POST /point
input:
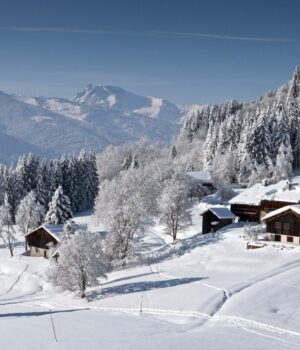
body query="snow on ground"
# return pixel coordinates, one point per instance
(202, 292)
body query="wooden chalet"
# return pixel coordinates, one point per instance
(254, 203)
(42, 238)
(283, 225)
(214, 219)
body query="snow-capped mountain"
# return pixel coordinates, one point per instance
(95, 118)
(113, 97)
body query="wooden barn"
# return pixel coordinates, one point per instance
(283, 225)
(214, 219)
(246, 212)
(40, 239)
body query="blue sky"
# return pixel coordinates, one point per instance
(187, 51)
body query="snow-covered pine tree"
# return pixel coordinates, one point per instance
(173, 152)
(32, 164)
(127, 162)
(73, 183)
(56, 176)
(282, 135)
(92, 180)
(2, 183)
(211, 143)
(42, 189)
(284, 161)
(135, 162)
(260, 141)
(293, 115)
(13, 190)
(59, 208)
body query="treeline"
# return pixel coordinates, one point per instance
(77, 176)
(250, 141)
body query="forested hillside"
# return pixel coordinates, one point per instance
(251, 140)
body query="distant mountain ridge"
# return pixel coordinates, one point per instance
(95, 118)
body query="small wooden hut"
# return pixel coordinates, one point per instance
(42, 238)
(214, 219)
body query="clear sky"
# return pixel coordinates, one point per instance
(188, 51)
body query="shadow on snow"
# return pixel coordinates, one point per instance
(38, 313)
(138, 287)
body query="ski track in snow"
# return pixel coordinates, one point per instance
(283, 335)
(16, 281)
(245, 324)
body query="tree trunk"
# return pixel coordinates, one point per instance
(11, 249)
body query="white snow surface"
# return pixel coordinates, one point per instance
(276, 192)
(202, 292)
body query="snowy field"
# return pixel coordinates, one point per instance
(204, 292)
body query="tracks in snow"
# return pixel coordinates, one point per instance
(16, 281)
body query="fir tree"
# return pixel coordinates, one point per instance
(293, 115)
(59, 208)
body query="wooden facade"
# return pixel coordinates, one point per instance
(284, 227)
(39, 241)
(267, 206)
(255, 213)
(211, 223)
(246, 212)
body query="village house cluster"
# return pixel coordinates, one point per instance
(277, 206)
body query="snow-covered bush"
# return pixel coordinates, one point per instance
(81, 262)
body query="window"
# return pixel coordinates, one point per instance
(290, 239)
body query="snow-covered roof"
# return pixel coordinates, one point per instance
(295, 208)
(55, 231)
(222, 213)
(277, 192)
(201, 176)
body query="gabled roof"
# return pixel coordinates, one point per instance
(201, 176)
(295, 208)
(277, 192)
(55, 231)
(222, 213)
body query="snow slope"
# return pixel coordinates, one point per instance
(203, 292)
(96, 118)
